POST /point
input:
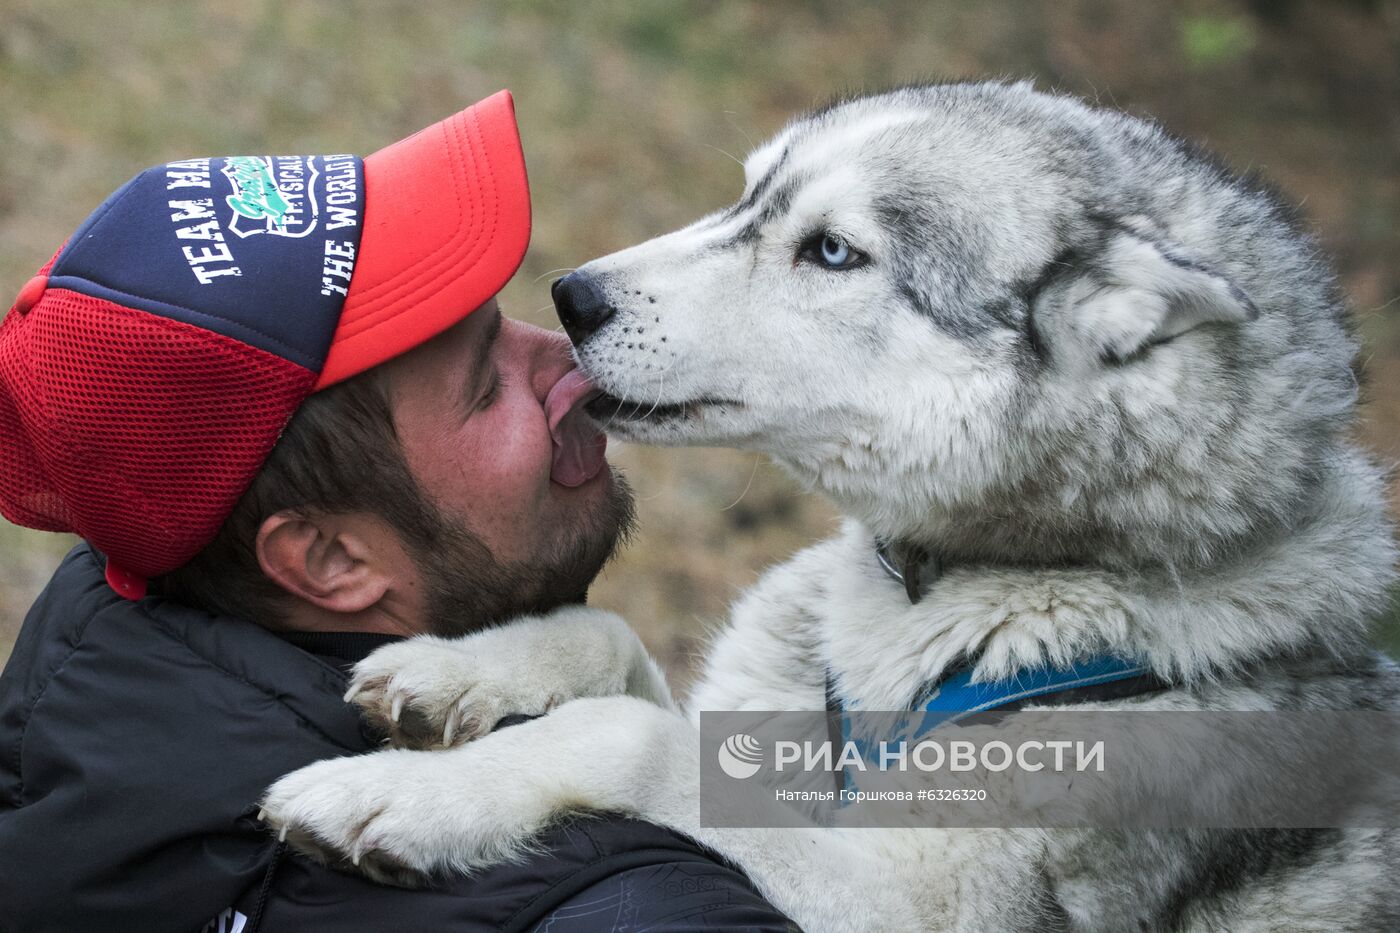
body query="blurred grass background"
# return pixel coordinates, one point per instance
(631, 114)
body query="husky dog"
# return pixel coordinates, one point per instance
(1104, 382)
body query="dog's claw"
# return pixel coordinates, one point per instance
(396, 708)
(450, 728)
(262, 815)
(282, 834)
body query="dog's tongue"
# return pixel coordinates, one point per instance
(578, 445)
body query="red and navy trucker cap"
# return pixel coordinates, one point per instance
(148, 369)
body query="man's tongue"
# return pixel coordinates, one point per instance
(578, 445)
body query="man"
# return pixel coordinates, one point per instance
(276, 398)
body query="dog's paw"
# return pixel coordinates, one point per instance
(431, 692)
(403, 817)
(346, 812)
(1015, 619)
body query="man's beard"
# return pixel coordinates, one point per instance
(468, 589)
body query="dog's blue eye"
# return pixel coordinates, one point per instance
(835, 252)
(831, 252)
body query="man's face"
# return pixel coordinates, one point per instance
(469, 409)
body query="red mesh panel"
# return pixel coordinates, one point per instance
(136, 432)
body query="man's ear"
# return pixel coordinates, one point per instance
(1132, 291)
(326, 560)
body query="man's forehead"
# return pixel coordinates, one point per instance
(457, 351)
(467, 334)
(478, 327)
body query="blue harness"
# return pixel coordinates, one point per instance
(954, 696)
(957, 696)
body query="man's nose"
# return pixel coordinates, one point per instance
(581, 306)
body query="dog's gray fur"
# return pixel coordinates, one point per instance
(1106, 380)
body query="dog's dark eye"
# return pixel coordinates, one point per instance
(830, 252)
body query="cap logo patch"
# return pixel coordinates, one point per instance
(274, 195)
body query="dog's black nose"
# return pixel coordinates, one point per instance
(581, 306)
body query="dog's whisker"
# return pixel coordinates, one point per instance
(747, 487)
(612, 418)
(731, 155)
(729, 118)
(660, 391)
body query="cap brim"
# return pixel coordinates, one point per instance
(447, 221)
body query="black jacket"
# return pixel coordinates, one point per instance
(136, 738)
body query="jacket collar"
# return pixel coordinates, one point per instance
(310, 686)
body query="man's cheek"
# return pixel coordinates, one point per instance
(521, 436)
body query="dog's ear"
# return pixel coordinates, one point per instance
(1132, 290)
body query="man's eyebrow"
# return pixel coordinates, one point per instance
(480, 370)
